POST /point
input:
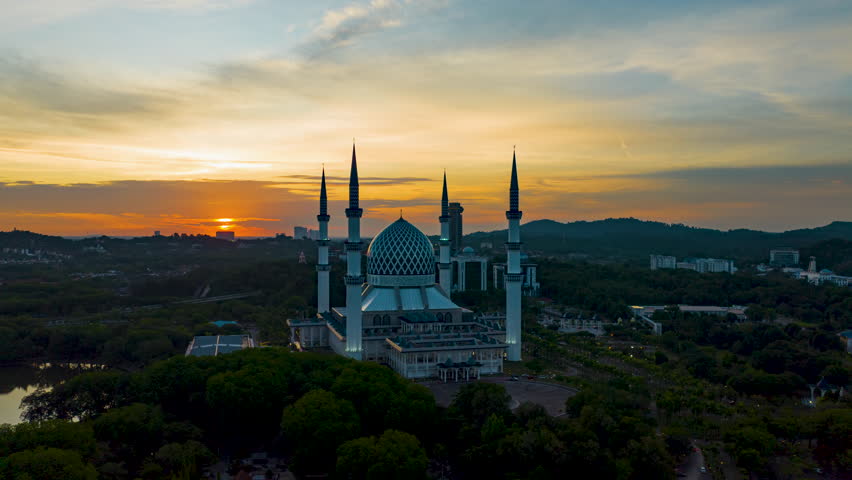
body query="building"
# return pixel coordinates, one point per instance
(662, 261)
(529, 281)
(701, 265)
(456, 227)
(462, 264)
(300, 233)
(784, 256)
(713, 265)
(736, 310)
(398, 315)
(157, 233)
(212, 345)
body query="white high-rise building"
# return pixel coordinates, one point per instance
(663, 261)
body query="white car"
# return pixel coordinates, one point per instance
(702, 470)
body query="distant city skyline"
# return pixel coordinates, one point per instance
(123, 117)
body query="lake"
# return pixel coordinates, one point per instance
(19, 381)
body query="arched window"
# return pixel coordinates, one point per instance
(439, 317)
(448, 317)
(377, 320)
(386, 320)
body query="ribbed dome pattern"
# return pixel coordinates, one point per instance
(401, 249)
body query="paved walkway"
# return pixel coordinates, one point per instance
(552, 397)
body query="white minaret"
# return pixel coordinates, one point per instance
(444, 266)
(354, 280)
(514, 276)
(322, 243)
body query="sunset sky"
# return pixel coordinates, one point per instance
(128, 116)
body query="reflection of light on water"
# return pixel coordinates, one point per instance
(38, 376)
(10, 404)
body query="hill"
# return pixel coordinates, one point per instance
(630, 238)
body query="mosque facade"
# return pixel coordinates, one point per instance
(396, 314)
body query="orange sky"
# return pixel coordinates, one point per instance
(128, 117)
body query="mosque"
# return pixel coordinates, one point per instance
(398, 315)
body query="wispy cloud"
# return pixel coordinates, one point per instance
(22, 14)
(314, 180)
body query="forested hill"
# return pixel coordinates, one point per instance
(632, 238)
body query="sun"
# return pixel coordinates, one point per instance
(224, 220)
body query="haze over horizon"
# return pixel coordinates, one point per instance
(122, 118)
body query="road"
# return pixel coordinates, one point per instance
(691, 467)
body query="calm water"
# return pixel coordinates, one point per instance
(18, 382)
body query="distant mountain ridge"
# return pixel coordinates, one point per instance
(633, 238)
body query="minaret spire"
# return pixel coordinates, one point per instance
(323, 267)
(323, 196)
(354, 279)
(353, 181)
(445, 199)
(513, 186)
(444, 265)
(514, 272)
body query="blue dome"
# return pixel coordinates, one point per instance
(401, 255)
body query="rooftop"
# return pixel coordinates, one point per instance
(212, 345)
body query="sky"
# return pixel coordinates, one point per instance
(122, 117)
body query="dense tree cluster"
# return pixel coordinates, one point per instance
(166, 419)
(754, 358)
(329, 415)
(610, 289)
(79, 321)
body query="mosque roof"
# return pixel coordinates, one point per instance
(401, 255)
(406, 298)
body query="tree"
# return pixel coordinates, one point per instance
(475, 402)
(317, 424)
(836, 375)
(395, 455)
(46, 464)
(136, 429)
(59, 434)
(185, 458)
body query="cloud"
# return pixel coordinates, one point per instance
(28, 81)
(314, 180)
(342, 27)
(18, 15)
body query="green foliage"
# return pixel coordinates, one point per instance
(46, 464)
(317, 423)
(751, 445)
(83, 396)
(51, 433)
(183, 458)
(394, 455)
(136, 428)
(477, 402)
